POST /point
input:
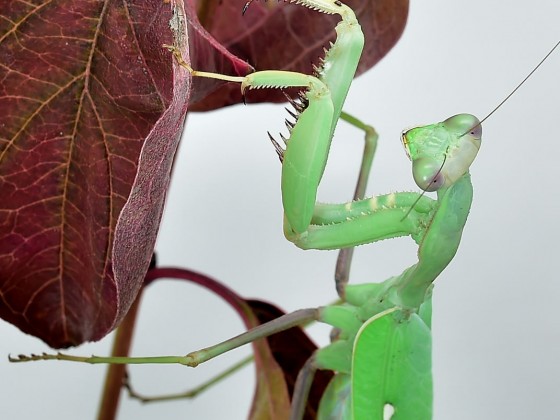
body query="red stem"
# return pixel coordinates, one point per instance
(115, 373)
(209, 283)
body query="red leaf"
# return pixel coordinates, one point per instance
(273, 35)
(91, 112)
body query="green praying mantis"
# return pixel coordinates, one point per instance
(441, 155)
(428, 222)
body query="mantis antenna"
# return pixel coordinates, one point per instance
(514, 90)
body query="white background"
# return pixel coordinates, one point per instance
(496, 325)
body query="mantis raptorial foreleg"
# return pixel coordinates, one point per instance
(307, 148)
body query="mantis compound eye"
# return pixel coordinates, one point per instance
(428, 174)
(476, 131)
(464, 124)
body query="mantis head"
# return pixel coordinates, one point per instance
(442, 153)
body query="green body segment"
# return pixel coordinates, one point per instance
(335, 226)
(438, 245)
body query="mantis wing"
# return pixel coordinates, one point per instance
(392, 365)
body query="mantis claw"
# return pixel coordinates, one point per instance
(177, 54)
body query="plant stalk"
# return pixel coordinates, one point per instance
(115, 373)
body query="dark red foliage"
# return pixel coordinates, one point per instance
(91, 113)
(271, 36)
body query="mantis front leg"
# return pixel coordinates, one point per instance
(307, 147)
(445, 154)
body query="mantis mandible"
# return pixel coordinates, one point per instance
(300, 231)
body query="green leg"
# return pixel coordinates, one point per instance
(191, 393)
(195, 358)
(336, 226)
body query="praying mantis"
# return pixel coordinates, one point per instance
(454, 282)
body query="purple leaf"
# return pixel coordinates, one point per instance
(92, 108)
